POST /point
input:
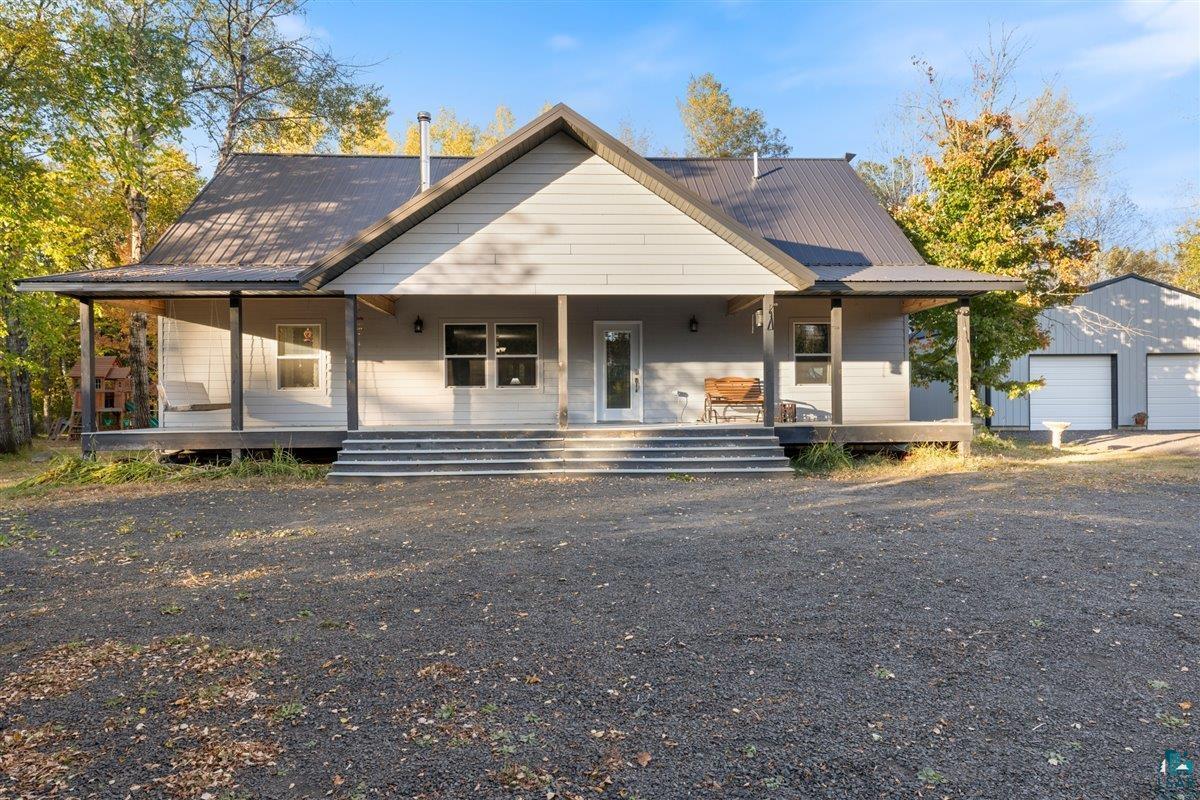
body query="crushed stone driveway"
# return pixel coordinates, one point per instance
(1140, 443)
(992, 635)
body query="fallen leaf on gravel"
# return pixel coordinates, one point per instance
(530, 680)
(643, 758)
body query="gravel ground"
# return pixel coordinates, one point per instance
(967, 635)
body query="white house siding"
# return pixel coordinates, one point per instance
(401, 373)
(1131, 318)
(195, 347)
(559, 220)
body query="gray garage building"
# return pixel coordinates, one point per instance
(1127, 345)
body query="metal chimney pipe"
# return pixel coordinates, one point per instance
(754, 158)
(423, 119)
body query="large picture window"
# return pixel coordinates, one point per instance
(516, 354)
(298, 356)
(811, 352)
(466, 351)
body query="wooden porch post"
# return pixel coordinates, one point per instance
(835, 359)
(563, 385)
(770, 368)
(351, 362)
(963, 354)
(87, 374)
(236, 406)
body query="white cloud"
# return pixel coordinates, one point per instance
(295, 26)
(560, 42)
(1165, 41)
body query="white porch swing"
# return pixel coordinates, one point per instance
(185, 395)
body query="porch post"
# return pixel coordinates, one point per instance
(563, 386)
(770, 368)
(835, 359)
(87, 374)
(351, 362)
(236, 406)
(963, 354)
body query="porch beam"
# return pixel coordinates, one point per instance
(962, 350)
(236, 404)
(563, 385)
(351, 315)
(835, 359)
(379, 302)
(770, 368)
(736, 305)
(915, 304)
(87, 374)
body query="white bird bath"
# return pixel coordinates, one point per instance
(1056, 431)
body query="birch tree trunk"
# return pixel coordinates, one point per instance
(19, 387)
(139, 348)
(8, 443)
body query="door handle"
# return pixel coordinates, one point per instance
(637, 380)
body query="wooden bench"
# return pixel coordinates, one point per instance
(731, 393)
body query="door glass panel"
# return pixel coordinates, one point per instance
(617, 386)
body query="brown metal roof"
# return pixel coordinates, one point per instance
(301, 219)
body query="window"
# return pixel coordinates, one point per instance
(298, 356)
(516, 355)
(811, 352)
(466, 354)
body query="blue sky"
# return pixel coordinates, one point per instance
(829, 75)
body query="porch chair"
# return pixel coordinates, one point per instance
(732, 393)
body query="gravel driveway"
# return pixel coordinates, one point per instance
(967, 636)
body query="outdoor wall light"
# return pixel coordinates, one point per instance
(693, 324)
(418, 325)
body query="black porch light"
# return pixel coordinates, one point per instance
(693, 324)
(418, 325)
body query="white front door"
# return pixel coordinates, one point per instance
(618, 371)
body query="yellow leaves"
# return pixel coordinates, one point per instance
(450, 136)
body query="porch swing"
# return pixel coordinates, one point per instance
(185, 395)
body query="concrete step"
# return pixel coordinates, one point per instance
(557, 464)
(382, 477)
(567, 453)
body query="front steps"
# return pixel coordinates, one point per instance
(378, 455)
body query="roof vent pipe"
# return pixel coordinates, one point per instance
(754, 159)
(423, 119)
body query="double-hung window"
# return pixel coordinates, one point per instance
(298, 356)
(810, 350)
(516, 354)
(466, 352)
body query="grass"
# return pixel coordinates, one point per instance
(824, 457)
(72, 470)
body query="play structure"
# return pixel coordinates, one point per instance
(113, 396)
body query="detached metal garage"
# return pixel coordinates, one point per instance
(1128, 345)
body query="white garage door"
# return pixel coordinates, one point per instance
(1078, 390)
(1173, 392)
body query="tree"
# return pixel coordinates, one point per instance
(1187, 257)
(251, 83)
(1125, 260)
(989, 209)
(892, 182)
(639, 140)
(127, 89)
(718, 129)
(450, 136)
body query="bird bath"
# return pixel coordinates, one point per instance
(1056, 431)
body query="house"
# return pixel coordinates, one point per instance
(557, 287)
(1127, 346)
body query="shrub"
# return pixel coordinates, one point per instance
(823, 457)
(986, 439)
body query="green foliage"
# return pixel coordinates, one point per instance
(990, 441)
(891, 183)
(1187, 257)
(77, 471)
(718, 129)
(989, 209)
(823, 457)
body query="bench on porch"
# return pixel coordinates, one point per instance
(732, 393)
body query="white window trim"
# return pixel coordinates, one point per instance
(320, 357)
(537, 357)
(796, 321)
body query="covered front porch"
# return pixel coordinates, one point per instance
(521, 363)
